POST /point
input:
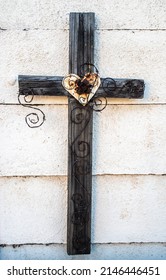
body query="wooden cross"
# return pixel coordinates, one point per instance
(81, 52)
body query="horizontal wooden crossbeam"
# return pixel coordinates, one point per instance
(52, 86)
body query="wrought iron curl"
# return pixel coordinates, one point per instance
(99, 104)
(83, 87)
(133, 87)
(109, 85)
(82, 166)
(80, 216)
(69, 82)
(80, 201)
(81, 241)
(88, 68)
(33, 120)
(81, 117)
(80, 149)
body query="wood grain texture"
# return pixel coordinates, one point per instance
(41, 85)
(52, 86)
(81, 40)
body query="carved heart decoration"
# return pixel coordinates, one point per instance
(82, 89)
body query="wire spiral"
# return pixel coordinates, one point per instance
(80, 148)
(33, 120)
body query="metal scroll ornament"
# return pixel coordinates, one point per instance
(35, 119)
(81, 171)
(83, 88)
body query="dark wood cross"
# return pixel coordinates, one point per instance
(80, 118)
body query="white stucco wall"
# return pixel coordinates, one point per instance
(129, 136)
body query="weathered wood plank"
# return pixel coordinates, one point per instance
(52, 86)
(80, 140)
(41, 85)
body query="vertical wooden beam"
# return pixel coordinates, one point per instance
(81, 50)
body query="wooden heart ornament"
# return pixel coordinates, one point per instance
(82, 89)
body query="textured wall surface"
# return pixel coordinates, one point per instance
(129, 136)
(34, 209)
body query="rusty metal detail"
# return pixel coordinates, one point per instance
(83, 88)
(120, 88)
